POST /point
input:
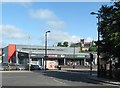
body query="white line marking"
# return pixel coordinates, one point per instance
(58, 81)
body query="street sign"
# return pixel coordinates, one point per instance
(80, 56)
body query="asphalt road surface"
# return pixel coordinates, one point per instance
(49, 78)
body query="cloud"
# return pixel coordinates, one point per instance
(88, 39)
(44, 14)
(25, 4)
(52, 21)
(63, 36)
(56, 25)
(10, 31)
(60, 36)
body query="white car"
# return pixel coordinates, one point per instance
(20, 67)
(1, 68)
(41, 67)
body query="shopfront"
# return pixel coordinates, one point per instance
(25, 54)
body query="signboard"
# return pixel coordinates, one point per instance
(80, 56)
(62, 55)
(52, 55)
(51, 64)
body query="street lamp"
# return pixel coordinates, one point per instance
(29, 53)
(45, 57)
(74, 56)
(98, 50)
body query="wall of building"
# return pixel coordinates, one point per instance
(61, 55)
(5, 55)
(50, 49)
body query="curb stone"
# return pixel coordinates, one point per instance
(113, 83)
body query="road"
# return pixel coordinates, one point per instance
(49, 78)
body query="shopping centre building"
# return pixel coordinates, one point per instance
(33, 54)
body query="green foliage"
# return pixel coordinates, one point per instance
(110, 29)
(65, 44)
(93, 47)
(59, 44)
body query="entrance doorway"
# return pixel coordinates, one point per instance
(61, 61)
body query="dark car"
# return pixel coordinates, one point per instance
(59, 67)
(35, 67)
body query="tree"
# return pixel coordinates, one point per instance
(110, 31)
(93, 47)
(59, 44)
(65, 44)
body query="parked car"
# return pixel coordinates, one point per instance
(5, 66)
(1, 67)
(20, 67)
(12, 66)
(35, 67)
(59, 67)
(41, 67)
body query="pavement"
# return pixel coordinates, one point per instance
(91, 76)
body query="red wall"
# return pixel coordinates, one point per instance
(11, 51)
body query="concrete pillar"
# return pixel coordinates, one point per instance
(64, 61)
(17, 58)
(84, 61)
(30, 60)
(42, 61)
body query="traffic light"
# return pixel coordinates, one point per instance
(91, 56)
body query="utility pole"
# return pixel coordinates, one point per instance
(74, 57)
(98, 50)
(46, 57)
(29, 54)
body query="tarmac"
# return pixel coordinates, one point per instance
(91, 75)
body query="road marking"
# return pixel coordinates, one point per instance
(59, 81)
(13, 71)
(14, 77)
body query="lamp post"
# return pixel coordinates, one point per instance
(98, 50)
(45, 57)
(74, 57)
(29, 54)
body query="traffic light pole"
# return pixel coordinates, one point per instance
(98, 52)
(46, 57)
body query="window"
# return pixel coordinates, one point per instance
(34, 59)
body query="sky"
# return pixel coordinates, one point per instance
(27, 22)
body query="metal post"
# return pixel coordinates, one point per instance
(45, 49)
(29, 54)
(45, 57)
(98, 50)
(29, 60)
(74, 57)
